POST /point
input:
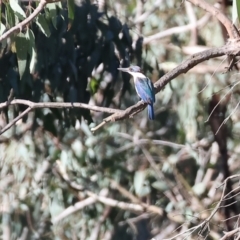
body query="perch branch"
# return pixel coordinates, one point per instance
(33, 105)
(229, 49)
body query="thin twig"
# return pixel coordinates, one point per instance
(180, 29)
(25, 22)
(230, 90)
(105, 200)
(15, 120)
(35, 105)
(227, 118)
(228, 235)
(141, 18)
(126, 206)
(192, 19)
(231, 29)
(72, 209)
(202, 226)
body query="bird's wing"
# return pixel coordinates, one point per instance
(145, 89)
(150, 84)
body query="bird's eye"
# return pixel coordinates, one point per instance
(130, 69)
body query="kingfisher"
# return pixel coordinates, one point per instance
(144, 87)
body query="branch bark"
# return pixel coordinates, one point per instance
(18, 28)
(180, 29)
(33, 105)
(231, 49)
(231, 29)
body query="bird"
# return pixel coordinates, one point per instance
(144, 87)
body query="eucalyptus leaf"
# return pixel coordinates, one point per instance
(235, 11)
(10, 17)
(17, 9)
(141, 186)
(43, 25)
(199, 188)
(31, 50)
(2, 28)
(71, 12)
(52, 8)
(160, 185)
(22, 51)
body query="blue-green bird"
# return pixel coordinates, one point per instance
(144, 87)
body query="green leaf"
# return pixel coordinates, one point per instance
(22, 50)
(31, 50)
(199, 188)
(10, 18)
(33, 61)
(160, 185)
(71, 12)
(235, 11)
(2, 28)
(0, 9)
(52, 13)
(43, 25)
(94, 85)
(140, 184)
(17, 9)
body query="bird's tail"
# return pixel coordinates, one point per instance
(150, 111)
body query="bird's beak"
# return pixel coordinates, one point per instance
(124, 69)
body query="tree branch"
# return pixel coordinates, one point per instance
(203, 225)
(141, 207)
(33, 105)
(180, 29)
(231, 29)
(24, 23)
(145, 15)
(229, 235)
(229, 49)
(74, 208)
(15, 120)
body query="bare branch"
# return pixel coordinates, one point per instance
(203, 225)
(231, 29)
(145, 15)
(228, 235)
(33, 105)
(72, 209)
(192, 18)
(125, 206)
(229, 49)
(105, 200)
(23, 24)
(15, 120)
(175, 30)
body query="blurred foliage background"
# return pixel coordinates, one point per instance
(54, 170)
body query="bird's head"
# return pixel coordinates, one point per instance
(131, 69)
